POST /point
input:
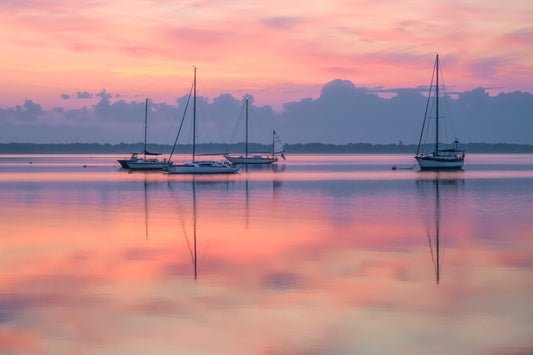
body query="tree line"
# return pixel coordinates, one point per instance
(220, 148)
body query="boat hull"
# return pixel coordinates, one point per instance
(147, 165)
(123, 163)
(440, 163)
(251, 160)
(203, 168)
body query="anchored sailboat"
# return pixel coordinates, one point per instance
(204, 166)
(257, 158)
(136, 163)
(437, 159)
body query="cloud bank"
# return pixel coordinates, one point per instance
(343, 113)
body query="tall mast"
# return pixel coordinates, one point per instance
(145, 125)
(246, 100)
(194, 119)
(437, 108)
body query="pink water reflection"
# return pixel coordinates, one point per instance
(105, 264)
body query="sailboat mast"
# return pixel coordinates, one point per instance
(145, 125)
(437, 108)
(194, 119)
(246, 99)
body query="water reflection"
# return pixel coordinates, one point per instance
(194, 254)
(431, 189)
(290, 263)
(249, 169)
(146, 206)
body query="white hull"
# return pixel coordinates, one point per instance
(207, 167)
(251, 160)
(439, 163)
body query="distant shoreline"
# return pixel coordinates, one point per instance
(219, 148)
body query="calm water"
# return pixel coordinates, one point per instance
(319, 254)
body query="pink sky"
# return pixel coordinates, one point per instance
(278, 51)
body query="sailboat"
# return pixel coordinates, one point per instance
(257, 158)
(144, 163)
(437, 159)
(204, 166)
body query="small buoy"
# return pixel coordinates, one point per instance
(84, 166)
(394, 167)
(30, 162)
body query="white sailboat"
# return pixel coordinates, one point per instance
(144, 163)
(436, 158)
(257, 158)
(204, 166)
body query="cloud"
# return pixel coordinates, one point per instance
(522, 36)
(30, 112)
(104, 95)
(65, 96)
(283, 22)
(343, 113)
(83, 95)
(488, 67)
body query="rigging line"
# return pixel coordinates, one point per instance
(181, 124)
(428, 130)
(212, 113)
(426, 112)
(265, 127)
(238, 125)
(172, 127)
(431, 251)
(448, 114)
(188, 242)
(182, 223)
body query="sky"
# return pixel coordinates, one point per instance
(71, 56)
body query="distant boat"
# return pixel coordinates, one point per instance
(144, 163)
(200, 167)
(257, 158)
(436, 158)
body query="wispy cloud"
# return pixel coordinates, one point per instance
(56, 46)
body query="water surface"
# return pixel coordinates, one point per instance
(319, 254)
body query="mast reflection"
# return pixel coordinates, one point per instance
(193, 251)
(146, 207)
(439, 186)
(276, 184)
(194, 215)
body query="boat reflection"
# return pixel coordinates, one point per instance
(146, 207)
(240, 197)
(192, 247)
(193, 252)
(440, 187)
